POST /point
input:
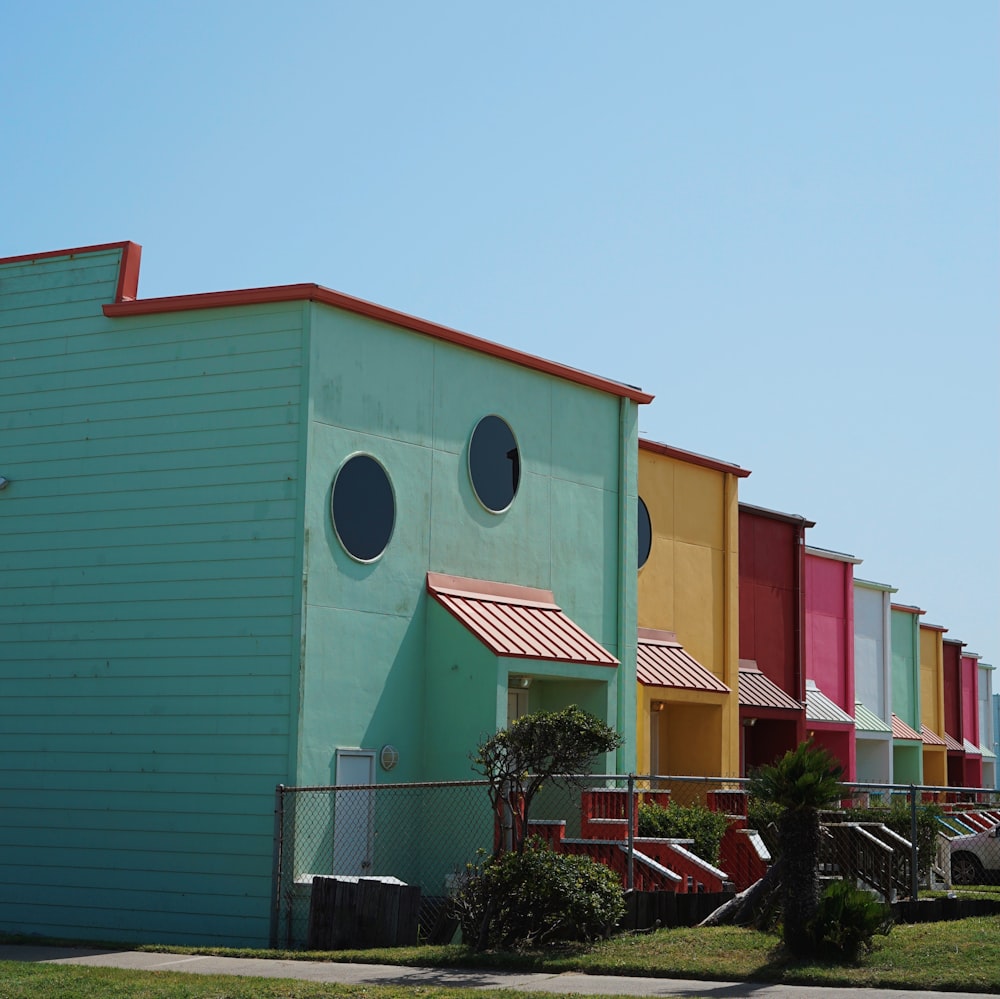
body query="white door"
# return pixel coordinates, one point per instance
(352, 815)
(517, 704)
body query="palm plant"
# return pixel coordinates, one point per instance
(805, 780)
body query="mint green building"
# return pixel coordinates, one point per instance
(907, 744)
(275, 536)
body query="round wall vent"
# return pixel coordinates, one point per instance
(388, 757)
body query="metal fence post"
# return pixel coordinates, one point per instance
(914, 852)
(276, 863)
(630, 813)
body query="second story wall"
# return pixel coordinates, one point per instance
(829, 598)
(906, 671)
(772, 609)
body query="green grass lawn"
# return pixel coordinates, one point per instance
(55, 981)
(961, 955)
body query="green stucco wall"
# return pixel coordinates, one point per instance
(371, 663)
(181, 629)
(149, 610)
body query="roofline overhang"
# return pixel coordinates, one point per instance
(370, 310)
(832, 555)
(870, 584)
(692, 457)
(787, 518)
(127, 304)
(933, 627)
(907, 608)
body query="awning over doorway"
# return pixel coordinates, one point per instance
(930, 737)
(820, 708)
(757, 691)
(866, 720)
(900, 730)
(517, 622)
(661, 661)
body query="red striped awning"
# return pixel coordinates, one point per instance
(900, 730)
(661, 661)
(929, 737)
(757, 691)
(518, 622)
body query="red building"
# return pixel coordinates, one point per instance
(772, 675)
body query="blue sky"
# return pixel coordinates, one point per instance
(780, 218)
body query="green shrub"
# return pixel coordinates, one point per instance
(847, 921)
(537, 897)
(695, 822)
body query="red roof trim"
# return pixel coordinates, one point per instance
(325, 296)
(908, 608)
(128, 268)
(692, 458)
(933, 627)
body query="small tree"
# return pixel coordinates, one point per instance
(539, 747)
(802, 782)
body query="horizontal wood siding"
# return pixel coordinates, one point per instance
(149, 609)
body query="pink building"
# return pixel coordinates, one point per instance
(829, 602)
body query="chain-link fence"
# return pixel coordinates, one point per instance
(659, 833)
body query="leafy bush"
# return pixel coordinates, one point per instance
(705, 827)
(537, 897)
(847, 921)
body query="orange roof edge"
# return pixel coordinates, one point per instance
(126, 303)
(128, 268)
(370, 310)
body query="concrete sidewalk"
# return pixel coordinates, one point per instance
(387, 974)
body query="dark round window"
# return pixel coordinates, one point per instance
(645, 533)
(363, 507)
(494, 463)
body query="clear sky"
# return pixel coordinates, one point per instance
(783, 219)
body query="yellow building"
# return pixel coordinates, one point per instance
(688, 652)
(932, 704)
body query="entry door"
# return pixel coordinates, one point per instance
(352, 815)
(517, 704)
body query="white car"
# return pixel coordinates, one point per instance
(975, 857)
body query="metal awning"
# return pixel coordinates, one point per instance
(954, 746)
(820, 708)
(661, 661)
(929, 737)
(518, 622)
(971, 749)
(757, 691)
(903, 732)
(865, 720)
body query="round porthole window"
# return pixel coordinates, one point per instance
(494, 463)
(645, 533)
(363, 507)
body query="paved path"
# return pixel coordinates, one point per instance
(466, 978)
